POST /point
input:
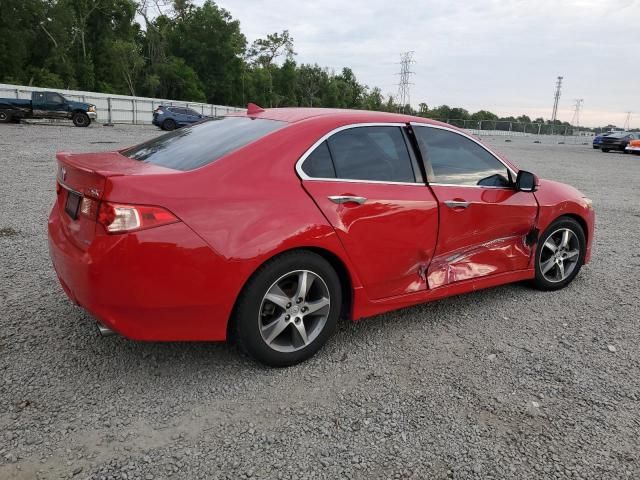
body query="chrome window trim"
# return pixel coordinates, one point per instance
(311, 149)
(462, 134)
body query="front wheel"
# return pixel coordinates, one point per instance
(560, 254)
(5, 117)
(81, 119)
(288, 309)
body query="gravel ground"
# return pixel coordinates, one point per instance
(504, 383)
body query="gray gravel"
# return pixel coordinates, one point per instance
(504, 383)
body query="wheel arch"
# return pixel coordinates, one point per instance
(341, 269)
(581, 221)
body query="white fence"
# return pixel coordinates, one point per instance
(118, 108)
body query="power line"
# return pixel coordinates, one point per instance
(627, 122)
(556, 98)
(403, 98)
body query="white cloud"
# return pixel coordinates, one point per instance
(501, 55)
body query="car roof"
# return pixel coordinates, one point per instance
(298, 114)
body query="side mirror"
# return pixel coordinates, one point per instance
(526, 181)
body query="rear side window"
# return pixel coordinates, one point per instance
(371, 153)
(203, 143)
(319, 163)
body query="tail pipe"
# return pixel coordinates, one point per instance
(104, 330)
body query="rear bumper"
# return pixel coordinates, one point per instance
(160, 284)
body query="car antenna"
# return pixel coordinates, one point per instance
(253, 109)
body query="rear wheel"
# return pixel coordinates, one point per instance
(288, 309)
(560, 254)
(5, 117)
(169, 124)
(81, 119)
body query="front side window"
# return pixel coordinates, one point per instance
(202, 143)
(54, 98)
(377, 153)
(457, 160)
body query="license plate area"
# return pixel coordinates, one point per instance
(72, 204)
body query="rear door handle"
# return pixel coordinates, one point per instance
(456, 203)
(347, 199)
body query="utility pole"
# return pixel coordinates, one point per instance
(575, 120)
(627, 122)
(404, 94)
(556, 98)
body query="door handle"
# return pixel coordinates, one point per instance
(339, 199)
(456, 203)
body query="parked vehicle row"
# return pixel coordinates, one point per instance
(266, 227)
(617, 141)
(47, 105)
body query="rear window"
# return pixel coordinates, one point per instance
(203, 143)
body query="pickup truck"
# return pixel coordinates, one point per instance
(47, 105)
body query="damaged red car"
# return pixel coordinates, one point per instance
(268, 226)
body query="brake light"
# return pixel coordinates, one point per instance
(117, 218)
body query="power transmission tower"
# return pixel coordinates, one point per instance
(403, 98)
(627, 122)
(556, 98)
(575, 120)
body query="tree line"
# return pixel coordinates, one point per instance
(176, 49)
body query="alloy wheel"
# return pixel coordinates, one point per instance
(559, 255)
(294, 311)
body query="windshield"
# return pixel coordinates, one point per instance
(202, 143)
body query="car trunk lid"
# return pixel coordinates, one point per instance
(83, 181)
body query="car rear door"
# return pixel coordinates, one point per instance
(484, 220)
(367, 182)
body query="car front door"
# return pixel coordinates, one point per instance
(192, 116)
(56, 106)
(367, 182)
(484, 221)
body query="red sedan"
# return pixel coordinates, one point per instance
(266, 227)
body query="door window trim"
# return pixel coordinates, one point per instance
(425, 157)
(326, 136)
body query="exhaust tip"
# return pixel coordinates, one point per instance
(104, 331)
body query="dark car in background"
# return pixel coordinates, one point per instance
(49, 105)
(617, 141)
(597, 140)
(170, 117)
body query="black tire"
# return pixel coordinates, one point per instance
(595, 148)
(249, 315)
(605, 150)
(169, 124)
(542, 254)
(81, 119)
(5, 117)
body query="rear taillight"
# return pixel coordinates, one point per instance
(117, 218)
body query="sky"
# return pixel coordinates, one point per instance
(497, 55)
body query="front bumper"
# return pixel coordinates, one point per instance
(157, 284)
(92, 115)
